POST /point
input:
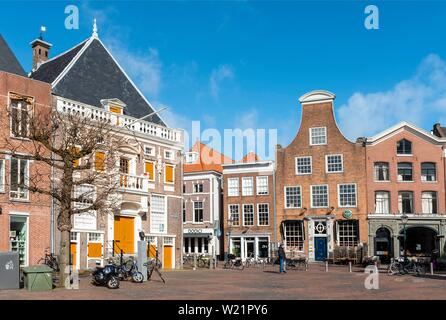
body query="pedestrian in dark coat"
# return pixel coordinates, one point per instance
(282, 258)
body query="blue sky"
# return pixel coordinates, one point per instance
(245, 63)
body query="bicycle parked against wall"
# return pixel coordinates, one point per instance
(154, 264)
(234, 263)
(50, 260)
(401, 266)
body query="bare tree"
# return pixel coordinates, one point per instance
(79, 153)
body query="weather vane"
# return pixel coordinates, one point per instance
(42, 30)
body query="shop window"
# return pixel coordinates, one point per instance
(294, 235)
(99, 161)
(303, 165)
(263, 247)
(428, 172)
(19, 178)
(404, 147)
(19, 117)
(347, 195)
(233, 187)
(347, 233)
(236, 246)
(263, 214)
(293, 197)
(234, 214)
(247, 186)
(248, 215)
(18, 236)
(318, 136)
(198, 211)
(381, 170)
(262, 185)
(429, 202)
(382, 202)
(319, 196)
(334, 163)
(405, 202)
(405, 172)
(149, 170)
(169, 174)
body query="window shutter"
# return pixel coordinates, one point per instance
(149, 170)
(169, 174)
(99, 163)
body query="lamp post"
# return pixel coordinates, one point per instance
(230, 221)
(404, 219)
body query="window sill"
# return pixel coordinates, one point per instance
(382, 181)
(404, 155)
(303, 174)
(328, 172)
(19, 200)
(429, 181)
(401, 181)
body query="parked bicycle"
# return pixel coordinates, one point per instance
(401, 266)
(50, 260)
(234, 263)
(154, 264)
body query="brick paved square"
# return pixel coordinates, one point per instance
(251, 284)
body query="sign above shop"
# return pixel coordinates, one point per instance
(198, 230)
(347, 214)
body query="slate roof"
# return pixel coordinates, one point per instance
(90, 74)
(8, 61)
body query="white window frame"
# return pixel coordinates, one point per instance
(338, 231)
(202, 210)
(374, 171)
(257, 185)
(171, 154)
(311, 195)
(28, 111)
(26, 191)
(229, 187)
(296, 165)
(152, 212)
(388, 207)
(284, 197)
(311, 136)
(253, 214)
(243, 186)
(334, 155)
(238, 212)
(258, 214)
(339, 195)
(152, 153)
(198, 184)
(2, 175)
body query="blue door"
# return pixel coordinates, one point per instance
(320, 245)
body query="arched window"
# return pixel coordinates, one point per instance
(404, 147)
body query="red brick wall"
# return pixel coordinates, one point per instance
(321, 115)
(423, 151)
(38, 206)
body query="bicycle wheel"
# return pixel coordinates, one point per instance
(420, 269)
(128, 265)
(201, 263)
(394, 268)
(227, 265)
(137, 277)
(241, 266)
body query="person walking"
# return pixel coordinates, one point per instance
(282, 258)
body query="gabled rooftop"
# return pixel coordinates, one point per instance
(208, 159)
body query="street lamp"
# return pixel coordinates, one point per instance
(230, 221)
(404, 219)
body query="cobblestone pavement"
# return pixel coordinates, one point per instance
(250, 284)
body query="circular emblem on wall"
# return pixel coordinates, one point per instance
(320, 227)
(347, 214)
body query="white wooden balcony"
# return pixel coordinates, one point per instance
(99, 114)
(128, 182)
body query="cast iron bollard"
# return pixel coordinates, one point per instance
(195, 262)
(432, 268)
(326, 266)
(349, 266)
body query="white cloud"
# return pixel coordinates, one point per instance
(217, 76)
(421, 99)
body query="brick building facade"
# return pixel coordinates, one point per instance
(25, 217)
(406, 176)
(248, 197)
(320, 184)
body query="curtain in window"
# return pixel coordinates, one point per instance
(382, 202)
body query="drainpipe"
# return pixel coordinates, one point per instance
(274, 199)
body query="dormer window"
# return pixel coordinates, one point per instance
(113, 105)
(404, 147)
(191, 157)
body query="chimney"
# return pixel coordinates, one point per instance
(40, 49)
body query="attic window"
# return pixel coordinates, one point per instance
(115, 109)
(404, 147)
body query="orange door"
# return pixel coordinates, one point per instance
(73, 249)
(124, 234)
(167, 263)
